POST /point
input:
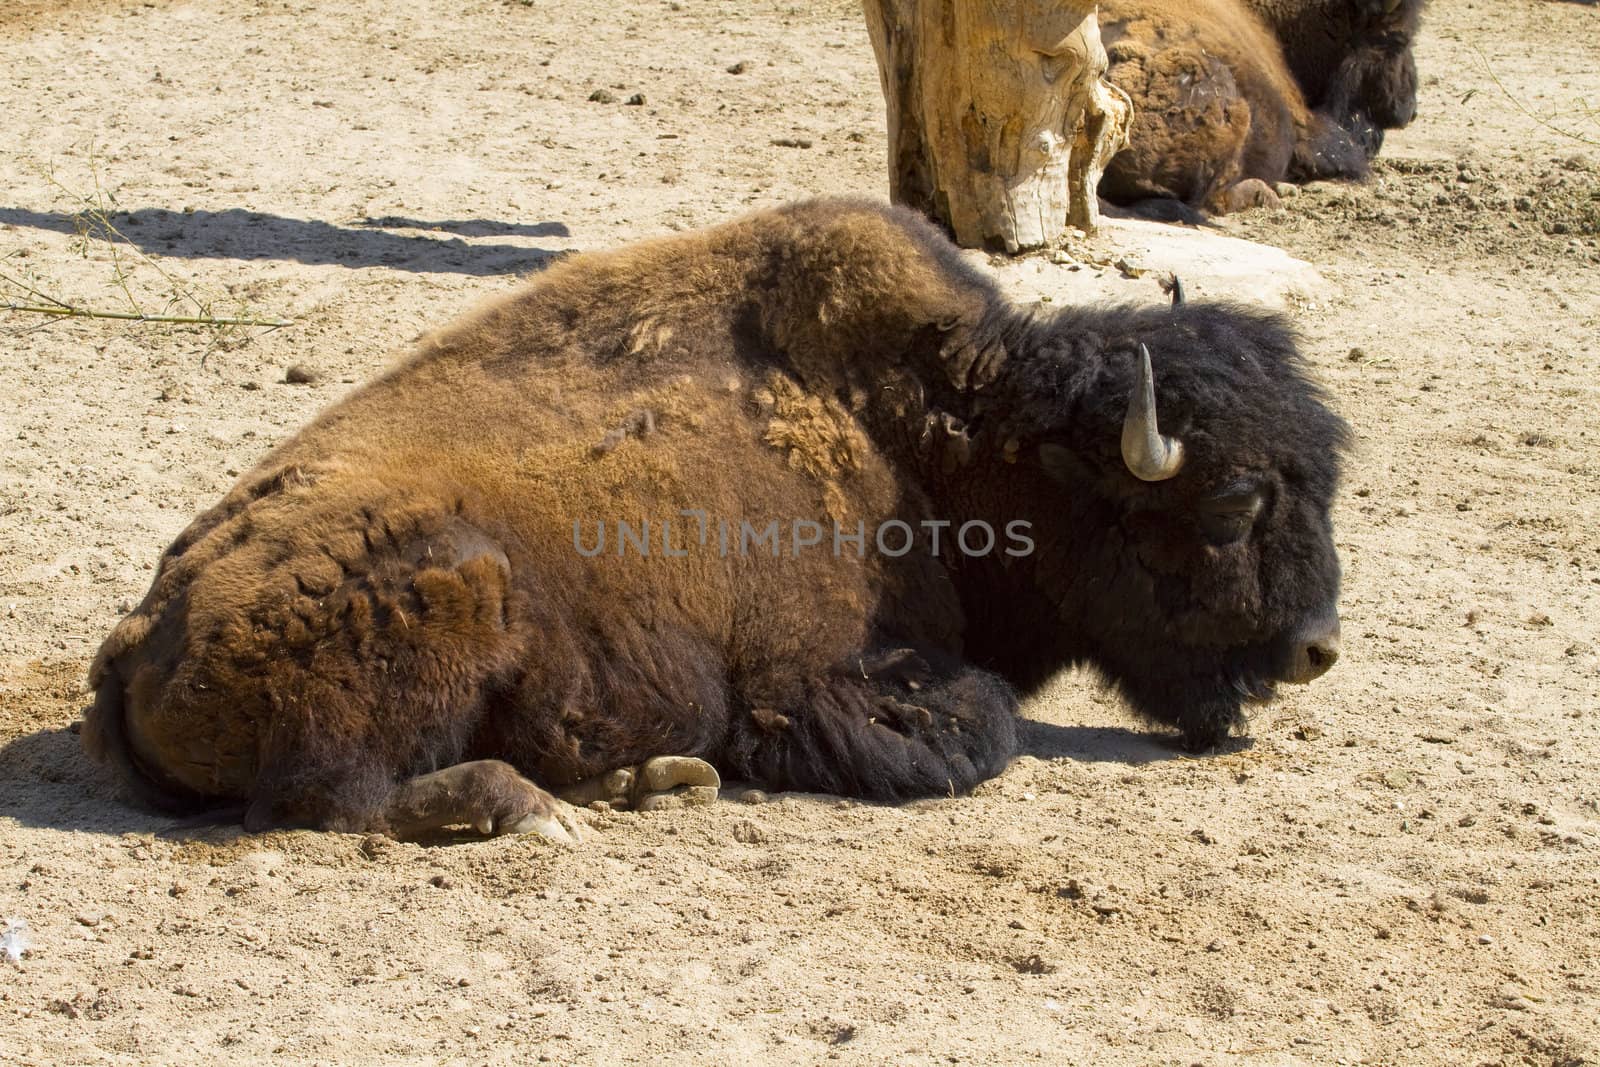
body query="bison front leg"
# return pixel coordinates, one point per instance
(488, 795)
(887, 727)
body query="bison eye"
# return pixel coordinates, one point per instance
(1228, 516)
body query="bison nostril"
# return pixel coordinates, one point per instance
(1315, 656)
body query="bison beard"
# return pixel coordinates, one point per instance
(386, 626)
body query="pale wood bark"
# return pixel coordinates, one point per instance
(1000, 123)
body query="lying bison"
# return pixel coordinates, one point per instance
(584, 526)
(1234, 96)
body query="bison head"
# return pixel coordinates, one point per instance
(1185, 471)
(1374, 86)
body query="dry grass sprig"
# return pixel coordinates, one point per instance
(133, 272)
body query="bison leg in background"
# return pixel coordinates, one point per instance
(488, 795)
(885, 727)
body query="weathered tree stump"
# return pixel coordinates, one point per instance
(1000, 122)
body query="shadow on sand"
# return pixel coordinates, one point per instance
(253, 235)
(47, 781)
(1112, 744)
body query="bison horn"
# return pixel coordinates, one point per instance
(1150, 456)
(1177, 291)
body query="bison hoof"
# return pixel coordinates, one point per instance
(656, 785)
(1250, 193)
(489, 795)
(558, 826)
(692, 796)
(674, 782)
(668, 772)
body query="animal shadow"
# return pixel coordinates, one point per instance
(1112, 744)
(47, 782)
(235, 233)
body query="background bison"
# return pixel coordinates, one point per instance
(1234, 96)
(402, 587)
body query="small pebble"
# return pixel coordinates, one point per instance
(299, 374)
(738, 68)
(1396, 779)
(637, 100)
(603, 96)
(1485, 939)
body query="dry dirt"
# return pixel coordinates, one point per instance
(1401, 866)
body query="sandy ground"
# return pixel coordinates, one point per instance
(1401, 866)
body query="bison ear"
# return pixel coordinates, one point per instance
(1063, 465)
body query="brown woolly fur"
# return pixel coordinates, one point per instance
(1219, 115)
(410, 583)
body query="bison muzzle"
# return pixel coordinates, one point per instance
(393, 624)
